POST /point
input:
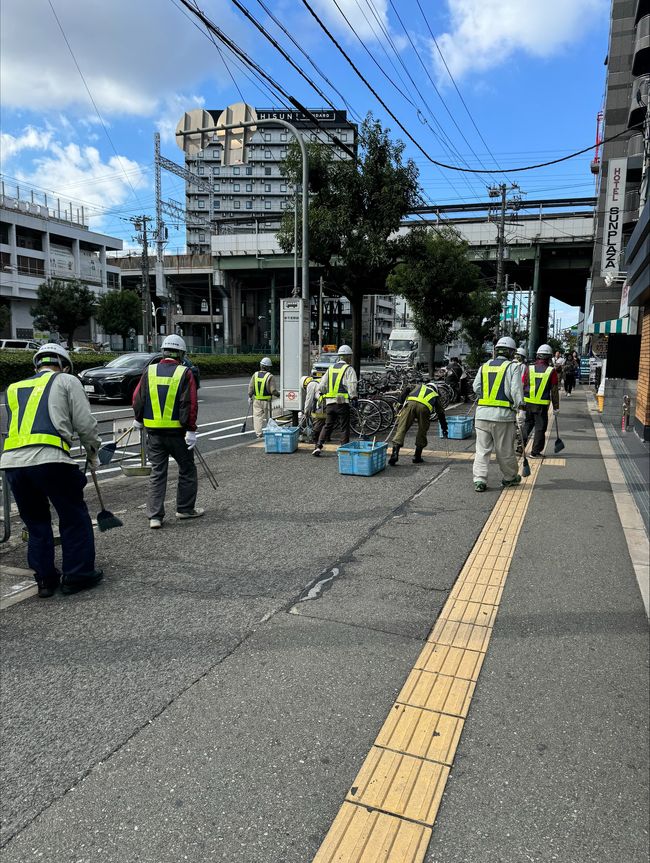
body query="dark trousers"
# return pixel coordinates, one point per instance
(62, 485)
(160, 447)
(334, 413)
(569, 382)
(536, 419)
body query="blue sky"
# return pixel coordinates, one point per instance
(84, 86)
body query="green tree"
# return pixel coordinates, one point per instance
(63, 306)
(5, 314)
(438, 281)
(479, 322)
(569, 339)
(355, 210)
(556, 344)
(118, 312)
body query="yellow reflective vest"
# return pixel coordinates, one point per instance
(425, 395)
(162, 396)
(259, 382)
(30, 423)
(336, 387)
(538, 389)
(493, 386)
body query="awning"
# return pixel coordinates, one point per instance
(618, 325)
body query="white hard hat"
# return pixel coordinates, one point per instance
(173, 343)
(521, 352)
(507, 342)
(57, 354)
(345, 350)
(266, 362)
(544, 351)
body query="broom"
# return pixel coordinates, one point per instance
(105, 519)
(107, 450)
(525, 466)
(559, 443)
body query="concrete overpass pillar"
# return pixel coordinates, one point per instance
(533, 320)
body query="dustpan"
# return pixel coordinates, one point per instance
(559, 443)
(142, 469)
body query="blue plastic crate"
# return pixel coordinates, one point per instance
(281, 439)
(362, 457)
(459, 427)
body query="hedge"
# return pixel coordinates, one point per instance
(17, 365)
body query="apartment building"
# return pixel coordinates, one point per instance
(39, 240)
(234, 197)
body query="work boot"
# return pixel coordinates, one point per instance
(394, 456)
(417, 457)
(479, 485)
(508, 482)
(75, 583)
(47, 586)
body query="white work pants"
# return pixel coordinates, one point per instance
(261, 413)
(500, 437)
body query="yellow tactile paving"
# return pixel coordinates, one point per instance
(433, 691)
(361, 836)
(555, 462)
(450, 661)
(400, 785)
(422, 733)
(469, 612)
(404, 774)
(458, 634)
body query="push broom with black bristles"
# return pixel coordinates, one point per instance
(105, 519)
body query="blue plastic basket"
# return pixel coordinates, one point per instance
(281, 439)
(459, 427)
(362, 458)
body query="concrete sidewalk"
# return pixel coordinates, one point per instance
(218, 696)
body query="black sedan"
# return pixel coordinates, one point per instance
(117, 380)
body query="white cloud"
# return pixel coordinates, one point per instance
(30, 139)
(485, 33)
(80, 175)
(175, 106)
(130, 54)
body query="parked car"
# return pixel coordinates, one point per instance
(322, 364)
(19, 345)
(117, 380)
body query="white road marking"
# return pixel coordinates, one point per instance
(223, 386)
(236, 434)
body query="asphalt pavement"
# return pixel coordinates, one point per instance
(215, 697)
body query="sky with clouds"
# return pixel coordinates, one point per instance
(493, 84)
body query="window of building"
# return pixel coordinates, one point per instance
(217, 204)
(237, 205)
(236, 170)
(201, 238)
(216, 187)
(283, 187)
(4, 233)
(267, 171)
(267, 187)
(267, 154)
(200, 170)
(283, 136)
(216, 171)
(112, 280)
(199, 155)
(215, 200)
(284, 205)
(235, 187)
(249, 205)
(267, 136)
(30, 266)
(249, 171)
(249, 187)
(201, 205)
(283, 154)
(343, 136)
(267, 205)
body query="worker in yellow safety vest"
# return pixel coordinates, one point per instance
(418, 403)
(165, 403)
(541, 388)
(261, 391)
(499, 389)
(338, 389)
(45, 411)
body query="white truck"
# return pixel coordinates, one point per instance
(407, 349)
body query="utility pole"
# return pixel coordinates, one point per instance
(140, 224)
(501, 192)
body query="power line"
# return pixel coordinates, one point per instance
(90, 96)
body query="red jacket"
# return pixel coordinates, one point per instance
(188, 401)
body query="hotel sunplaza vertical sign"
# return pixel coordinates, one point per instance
(613, 227)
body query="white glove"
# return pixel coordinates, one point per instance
(137, 425)
(250, 401)
(93, 461)
(190, 439)
(300, 415)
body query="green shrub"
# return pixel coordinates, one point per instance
(17, 365)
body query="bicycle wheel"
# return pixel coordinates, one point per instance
(445, 393)
(365, 419)
(393, 401)
(386, 411)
